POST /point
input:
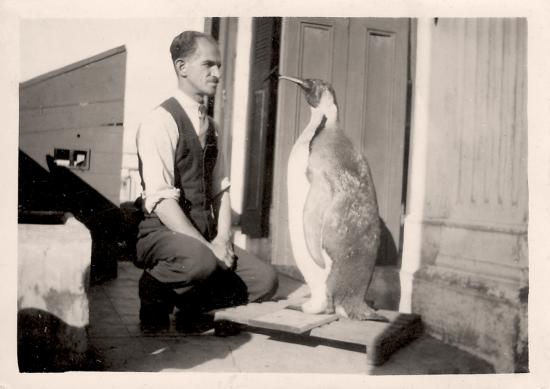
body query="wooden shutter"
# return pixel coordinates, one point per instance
(261, 125)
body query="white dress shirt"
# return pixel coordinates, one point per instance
(156, 139)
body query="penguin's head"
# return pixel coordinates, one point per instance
(316, 91)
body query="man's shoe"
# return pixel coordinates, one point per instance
(156, 304)
(224, 328)
(193, 324)
(154, 317)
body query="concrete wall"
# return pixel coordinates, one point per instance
(465, 262)
(53, 270)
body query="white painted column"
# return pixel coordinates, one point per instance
(412, 244)
(240, 119)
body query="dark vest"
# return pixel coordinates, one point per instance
(193, 167)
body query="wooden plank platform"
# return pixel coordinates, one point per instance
(292, 321)
(380, 339)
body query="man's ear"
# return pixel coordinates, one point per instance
(181, 67)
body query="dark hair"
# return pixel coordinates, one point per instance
(185, 44)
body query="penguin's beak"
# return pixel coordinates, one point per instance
(294, 79)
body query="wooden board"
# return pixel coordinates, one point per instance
(289, 320)
(244, 314)
(380, 339)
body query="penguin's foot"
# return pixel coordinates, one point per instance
(376, 317)
(364, 312)
(315, 306)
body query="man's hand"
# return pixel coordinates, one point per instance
(223, 250)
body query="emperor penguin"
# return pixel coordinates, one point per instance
(333, 213)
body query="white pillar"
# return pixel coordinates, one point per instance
(417, 164)
(240, 119)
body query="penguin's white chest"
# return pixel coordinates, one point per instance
(298, 189)
(298, 186)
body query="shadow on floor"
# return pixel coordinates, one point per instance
(428, 355)
(155, 353)
(46, 343)
(385, 289)
(121, 344)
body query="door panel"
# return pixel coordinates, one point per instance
(376, 119)
(366, 61)
(313, 48)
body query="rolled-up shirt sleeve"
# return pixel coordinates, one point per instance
(156, 142)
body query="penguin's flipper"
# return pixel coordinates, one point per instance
(317, 202)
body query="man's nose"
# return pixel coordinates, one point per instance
(215, 71)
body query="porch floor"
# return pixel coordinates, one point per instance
(120, 345)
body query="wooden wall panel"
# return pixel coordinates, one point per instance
(71, 116)
(476, 188)
(100, 139)
(79, 107)
(376, 129)
(95, 81)
(479, 106)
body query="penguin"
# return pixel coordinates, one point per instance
(333, 213)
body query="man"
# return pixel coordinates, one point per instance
(184, 242)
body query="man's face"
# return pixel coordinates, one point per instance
(202, 69)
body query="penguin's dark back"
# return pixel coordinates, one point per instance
(333, 156)
(351, 224)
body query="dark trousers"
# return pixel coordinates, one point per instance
(181, 271)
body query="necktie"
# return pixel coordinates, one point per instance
(203, 124)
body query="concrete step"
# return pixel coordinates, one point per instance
(53, 280)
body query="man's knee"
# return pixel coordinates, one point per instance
(180, 258)
(201, 261)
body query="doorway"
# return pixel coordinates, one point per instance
(367, 60)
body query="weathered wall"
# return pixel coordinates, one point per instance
(52, 302)
(467, 234)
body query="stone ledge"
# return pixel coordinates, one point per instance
(53, 280)
(486, 317)
(479, 285)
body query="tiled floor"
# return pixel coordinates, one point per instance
(121, 346)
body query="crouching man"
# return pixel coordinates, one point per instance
(184, 242)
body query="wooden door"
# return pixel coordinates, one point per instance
(366, 61)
